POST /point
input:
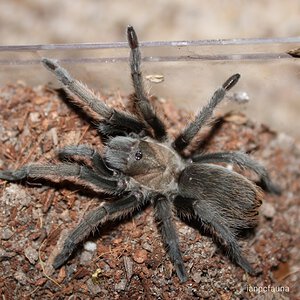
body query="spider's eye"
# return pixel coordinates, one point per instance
(138, 155)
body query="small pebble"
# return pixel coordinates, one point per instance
(4, 255)
(185, 230)
(6, 234)
(62, 274)
(90, 246)
(147, 247)
(21, 277)
(117, 241)
(94, 289)
(53, 133)
(31, 254)
(121, 285)
(85, 257)
(139, 256)
(268, 210)
(65, 216)
(34, 117)
(128, 267)
(196, 277)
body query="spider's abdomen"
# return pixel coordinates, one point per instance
(152, 164)
(231, 197)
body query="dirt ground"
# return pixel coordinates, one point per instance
(126, 259)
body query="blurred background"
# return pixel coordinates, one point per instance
(272, 85)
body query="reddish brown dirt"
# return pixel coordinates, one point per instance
(129, 261)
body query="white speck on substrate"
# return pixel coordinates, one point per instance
(90, 246)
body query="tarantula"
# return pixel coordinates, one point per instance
(141, 164)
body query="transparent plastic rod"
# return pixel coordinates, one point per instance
(258, 49)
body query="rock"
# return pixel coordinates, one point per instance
(90, 246)
(121, 285)
(140, 256)
(85, 257)
(31, 254)
(6, 234)
(268, 210)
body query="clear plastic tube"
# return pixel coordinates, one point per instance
(261, 49)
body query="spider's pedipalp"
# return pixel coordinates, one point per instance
(85, 152)
(185, 138)
(243, 161)
(141, 99)
(104, 212)
(91, 104)
(164, 216)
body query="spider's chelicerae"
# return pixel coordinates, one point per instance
(141, 164)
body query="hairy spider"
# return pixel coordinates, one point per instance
(142, 164)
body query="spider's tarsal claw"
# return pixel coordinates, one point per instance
(231, 81)
(132, 37)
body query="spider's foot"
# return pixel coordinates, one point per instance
(61, 258)
(61, 73)
(132, 37)
(271, 187)
(64, 255)
(13, 175)
(231, 81)
(181, 272)
(244, 264)
(50, 64)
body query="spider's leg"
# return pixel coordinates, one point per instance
(104, 212)
(82, 152)
(243, 161)
(141, 98)
(222, 199)
(78, 174)
(192, 208)
(91, 104)
(164, 215)
(184, 139)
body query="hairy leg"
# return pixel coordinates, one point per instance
(91, 104)
(184, 139)
(200, 209)
(82, 152)
(142, 100)
(243, 161)
(106, 211)
(76, 173)
(164, 216)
